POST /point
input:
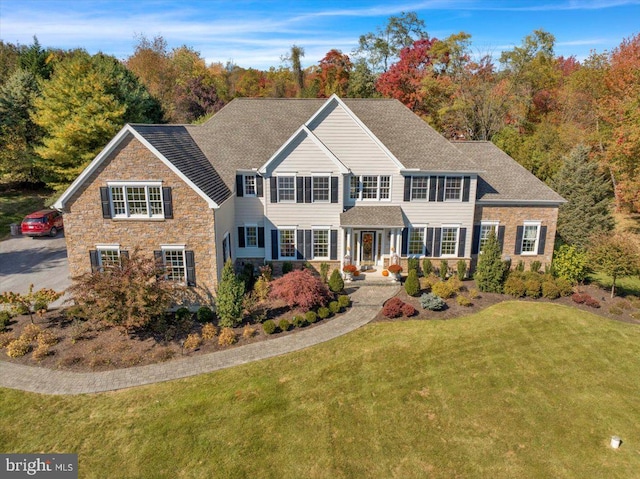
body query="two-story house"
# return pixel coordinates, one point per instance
(312, 180)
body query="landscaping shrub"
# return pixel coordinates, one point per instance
(514, 286)
(247, 276)
(46, 338)
(204, 314)
(287, 267)
(324, 313)
(6, 338)
(427, 282)
(227, 337)
(532, 288)
(30, 332)
(408, 310)
(432, 302)
(311, 317)
(344, 301)
(565, 287)
(571, 264)
(300, 321)
(443, 289)
(444, 269)
(393, 308)
(413, 264)
(209, 331)
(269, 326)
(5, 317)
(284, 325)
(192, 342)
(41, 352)
(464, 301)
(334, 307)
(229, 299)
(336, 283)
(182, 314)
(18, 347)
(635, 315)
(455, 284)
(490, 272)
(300, 289)
(324, 272)
(550, 289)
(624, 304)
(535, 266)
(615, 310)
(520, 266)
(427, 267)
(474, 293)
(261, 288)
(75, 312)
(411, 284)
(28, 303)
(461, 269)
(592, 302)
(248, 331)
(579, 298)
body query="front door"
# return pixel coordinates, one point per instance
(368, 248)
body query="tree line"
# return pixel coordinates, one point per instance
(58, 109)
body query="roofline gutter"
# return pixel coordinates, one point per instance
(521, 202)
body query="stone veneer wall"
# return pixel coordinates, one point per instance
(513, 216)
(192, 223)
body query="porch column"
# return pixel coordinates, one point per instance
(399, 242)
(392, 239)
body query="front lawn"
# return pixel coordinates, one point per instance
(520, 389)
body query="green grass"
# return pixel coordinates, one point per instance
(522, 390)
(15, 205)
(627, 285)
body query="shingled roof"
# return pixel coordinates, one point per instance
(504, 179)
(389, 216)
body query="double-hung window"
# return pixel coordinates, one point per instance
(354, 188)
(136, 200)
(449, 241)
(108, 255)
(249, 185)
(370, 187)
(251, 236)
(415, 246)
(287, 242)
(486, 227)
(286, 188)
(321, 188)
(175, 265)
(530, 236)
(320, 243)
(420, 188)
(453, 188)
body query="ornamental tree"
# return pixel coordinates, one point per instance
(300, 289)
(616, 255)
(31, 302)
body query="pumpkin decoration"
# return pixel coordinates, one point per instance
(385, 272)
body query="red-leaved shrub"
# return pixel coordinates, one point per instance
(592, 302)
(300, 289)
(579, 297)
(393, 308)
(408, 310)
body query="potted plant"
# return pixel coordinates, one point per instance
(349, 270)
(395, 270)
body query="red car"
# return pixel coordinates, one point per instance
(42, 223)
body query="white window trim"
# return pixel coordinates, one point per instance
(321, 175)
(457, 228)
(360, 188)
(411, 198)
(255, 185)
(295, 243)
(106, 247)
(313, 243)
(135, 184)
(175, 247)
(538, 225)
(424, 240)
(444, 192)
(246, 237)
(495, 225)
(295, 188)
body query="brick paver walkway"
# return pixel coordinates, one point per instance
(367, 301)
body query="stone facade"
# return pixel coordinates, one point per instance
(513, 216)
(192, 224)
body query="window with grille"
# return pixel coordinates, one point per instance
(420, 188)
(136, 201)
(320, 243)
(449, 242)
(288, 243)
(286, 188)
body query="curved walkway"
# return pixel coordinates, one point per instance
(367, 301)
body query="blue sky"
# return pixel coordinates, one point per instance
(257, 33)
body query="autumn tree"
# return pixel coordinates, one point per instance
(9, 58)
(300, 289)
(362, 81)
(333, 72)
(86, 101)
(293, 59)
(616, 255)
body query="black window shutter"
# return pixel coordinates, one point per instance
(334, 245)
(124, 254)
(299, 244)
(405, 242)
(299, 189)
(501, 237)
(259, 186)
(239, 186)
(437, 234)
(241, 243)
(519, 233)
(475, 241)
(543, 239)
(440, 195)
(334, 189)
(429, 251)
(307, 189)
(167, 201)
(191, 268)
(407, 188)
(433, 182)
(307, 244)
(94, 260)
(106, 205)
(260, 236)
(462, 239)
(466, 186)
(274, 244)
(274, 189)
(157, 256)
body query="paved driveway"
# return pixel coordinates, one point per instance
(41, 261)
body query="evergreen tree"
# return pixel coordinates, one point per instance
(489, 273)
(588, 193)
(412, 284)
(336, 283)
(229, 297)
